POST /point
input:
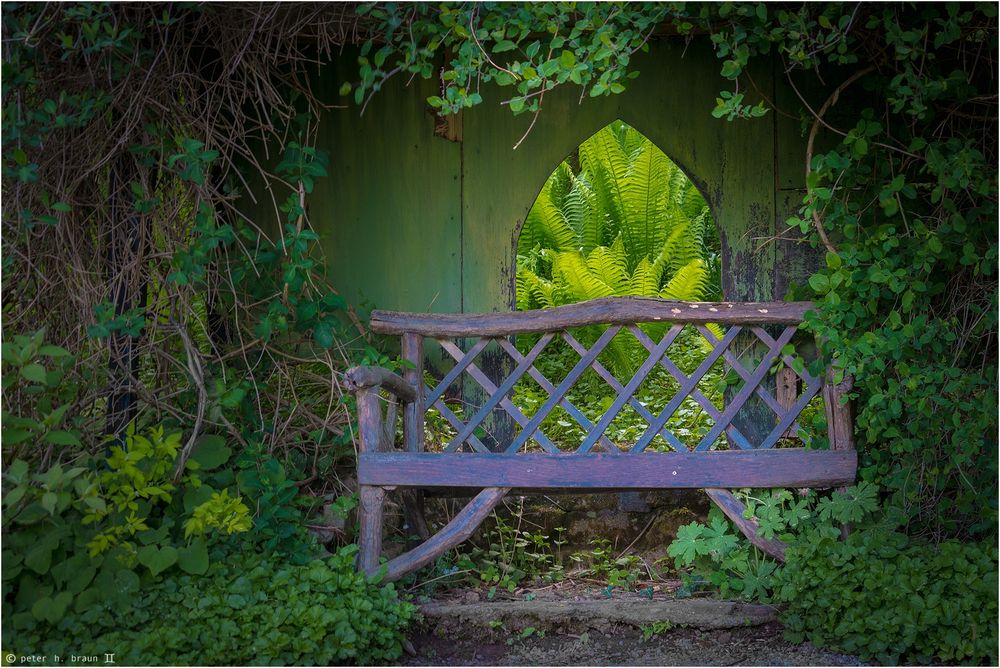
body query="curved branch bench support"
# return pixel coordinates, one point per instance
(531, 461)
(733, 508)
(456, 531)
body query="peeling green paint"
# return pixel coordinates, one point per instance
(412, 221)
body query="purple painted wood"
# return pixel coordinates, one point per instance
(413, 433)
(369, 419)
(560, 392)
(617, 387)
(413, 412)
(609, 310)
(549, 388)
(367, 377)
(735, 468)
(686, 388)
(455, 372)
(807, 377)
(370, 518)
(696, 394)
(629, 390)
(786, 421)
(453, 420)
(501, 392)
(493, 390)
(456, 531)
(733, 508)
(748, 388)
(761, 391)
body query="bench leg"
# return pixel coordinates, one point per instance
(457, 530)
(370, 540)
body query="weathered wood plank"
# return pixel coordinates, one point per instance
(492, 390)
(413, 413)
(788, 419)
(363, 377)
(617, 387)
(686, 388)
(806, 377)
(696, 394)
(608, 310)
(455, 372)
(737, 468)
(453, 420)
(369, 419)
(501, 392)
(771, 400)
(370, 535)
(564, 387)
(733, 509)
(544, 383)
(787, 390)
(839, 411)
(745, 392)
(456, 531)
(413, 432)
(628, 391)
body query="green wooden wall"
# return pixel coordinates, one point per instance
(412, 221)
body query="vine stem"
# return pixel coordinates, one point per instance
(830, 101)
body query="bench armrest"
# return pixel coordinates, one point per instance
(368, 377)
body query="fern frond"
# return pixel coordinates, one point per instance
(689, 283)
(533, 291)
(589, 221)
(580, 283)
(608, 264)
(645, 280)
(646, 203)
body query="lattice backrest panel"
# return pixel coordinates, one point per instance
(659, 364)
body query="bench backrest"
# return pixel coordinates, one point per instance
(653, 324)
(764, 331)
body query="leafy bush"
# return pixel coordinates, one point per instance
(86, 536)
(38, 397)
(884, 597)
(716, 555)
(248, 609)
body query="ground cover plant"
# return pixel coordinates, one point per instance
(149, 324)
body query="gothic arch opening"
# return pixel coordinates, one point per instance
(617, 217)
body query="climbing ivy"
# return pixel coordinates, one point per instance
(902, 197)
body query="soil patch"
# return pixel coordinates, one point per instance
(620, 645)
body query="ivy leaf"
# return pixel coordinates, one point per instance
(52, 610)
(157, 559)
(193, 559)
(211, 452)
(323, 334)
(61, 437)
(34, 372)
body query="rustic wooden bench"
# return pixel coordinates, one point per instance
(530, 461)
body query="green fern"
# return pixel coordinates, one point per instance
(629, 223)
(691, 279)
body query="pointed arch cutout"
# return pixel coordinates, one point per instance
(617, 217)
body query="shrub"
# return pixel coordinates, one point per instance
(883, 597)
(248, 609)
